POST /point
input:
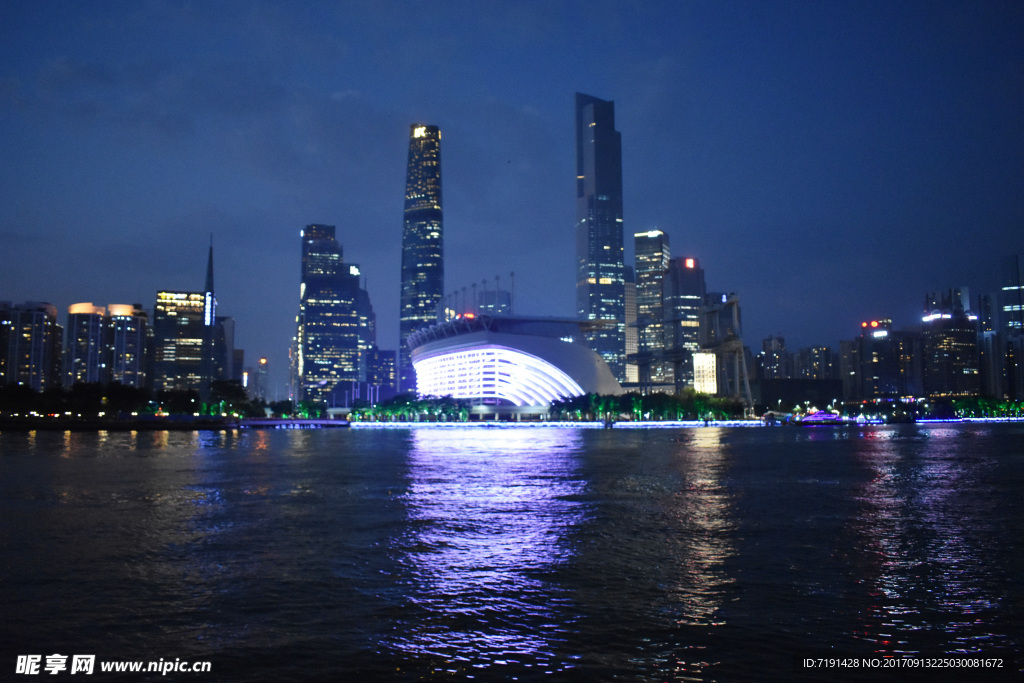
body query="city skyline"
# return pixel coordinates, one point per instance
(829, 164)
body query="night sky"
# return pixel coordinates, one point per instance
(829, 162)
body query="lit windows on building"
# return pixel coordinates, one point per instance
(179, 332)
(335, 324)
(705, 373)
(600, 283)
(422, 287)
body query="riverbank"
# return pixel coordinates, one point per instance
(114, 424)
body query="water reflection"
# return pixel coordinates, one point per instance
(925, 566)
(703, 517)
(488, 511)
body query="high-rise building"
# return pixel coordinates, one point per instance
(1012, 294)
(600, 267)
(1012, 309)
(179, 339)
(774, 362)
(815, 362)
(881, 363)
(333, 318)
(683, 294)
(422, 243)
(6, 330)
(720, 333)
(86, 350)
(191, 346)
(34, 342)
(382, 375)
(632, 333)
(990, 355)
(652, 256)
(105, 345)
(127, 335)
(259, 380)
(950, 347)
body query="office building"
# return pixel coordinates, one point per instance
(179, 339)
(881, 363)
(631, 331)
(258, 380)
(949, 343)
(382, 372)
(334, 322)
(815, 363)
(1012, 310)
(422, 242)
(652, 256)
(683, 298)
(600, 267)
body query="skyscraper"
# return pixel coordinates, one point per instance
(652, 258)
(105, 345)
(127, 344)
(179, 338)
(683, 297)
(632, 333)
(85, 356)
(32, 356)
(1012, 305)
(191, 344)
(422, 243)
(600, 283)
(950, 346)
(328, 325)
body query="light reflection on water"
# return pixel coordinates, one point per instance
(488, 516)
(704, 526)
(925, 534)
(691, 554)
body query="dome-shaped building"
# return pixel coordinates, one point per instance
(508, 364)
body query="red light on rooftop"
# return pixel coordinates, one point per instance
(689, 263)
(874, 323)
(863, 324)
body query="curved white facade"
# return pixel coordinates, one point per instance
(508, 360)
(492, 371)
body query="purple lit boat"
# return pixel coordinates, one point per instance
(822, 418)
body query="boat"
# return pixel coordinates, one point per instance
(822, 417)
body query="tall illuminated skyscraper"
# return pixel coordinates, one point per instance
(422, 243)
(179, 339)
(128, 325)
(85, 354)
(32, 354)
(105, 345)
(600, 283)
(328, 333)
(652, 259)
(683, 294)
